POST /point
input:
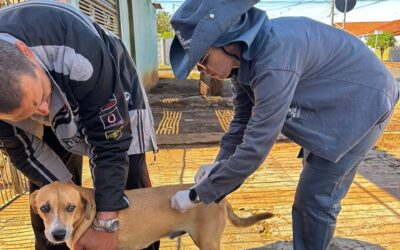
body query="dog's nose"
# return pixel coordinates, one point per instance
(59, 234)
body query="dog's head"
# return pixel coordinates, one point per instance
(62, 207)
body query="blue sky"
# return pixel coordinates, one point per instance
(364, 11)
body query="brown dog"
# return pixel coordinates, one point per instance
(68, 210)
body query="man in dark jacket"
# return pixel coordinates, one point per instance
(322, 87)
(68, 88)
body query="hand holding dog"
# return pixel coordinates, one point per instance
(181, 201)
(94, 240)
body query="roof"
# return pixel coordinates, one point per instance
(368, 28)
(393, 26)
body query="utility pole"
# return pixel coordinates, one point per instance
(344, 14)
(333, 12)
(344, 6)
(377, 33)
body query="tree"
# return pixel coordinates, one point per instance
(163, 26)
(381, 41)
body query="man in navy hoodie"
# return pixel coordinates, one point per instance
(322, 87)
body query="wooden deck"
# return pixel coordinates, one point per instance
(369, 214)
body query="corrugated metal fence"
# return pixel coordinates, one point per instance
(12, 182)
(105, 12)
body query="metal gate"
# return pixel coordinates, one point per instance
(12, 182)
(104, 12)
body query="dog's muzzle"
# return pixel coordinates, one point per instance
(59, 234)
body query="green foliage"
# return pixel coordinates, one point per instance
(164, 67)
(167, 34)
(164, 28)
(381, 41)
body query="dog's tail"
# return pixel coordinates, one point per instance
(245, 222)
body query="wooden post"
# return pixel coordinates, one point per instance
(209, 86)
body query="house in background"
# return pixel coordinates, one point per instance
(364, 29)
(133, 21)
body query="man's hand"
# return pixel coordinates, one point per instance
(94, 240)
(203, 172)
(181, 201)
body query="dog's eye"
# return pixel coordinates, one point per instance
(70, 208)
(45, 208)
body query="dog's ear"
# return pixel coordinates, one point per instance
(32, 201)
(86, 208)
(87, 199)
(88, 203)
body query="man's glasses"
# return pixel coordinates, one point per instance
(201, 65)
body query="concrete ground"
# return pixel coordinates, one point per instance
(189, 129)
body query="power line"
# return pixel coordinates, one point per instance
(292, 5)
(280, 7)
(275, 1)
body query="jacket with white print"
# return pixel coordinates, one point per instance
(98, 107)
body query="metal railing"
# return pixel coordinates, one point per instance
(12, 182)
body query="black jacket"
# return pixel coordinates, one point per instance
(98, 107)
